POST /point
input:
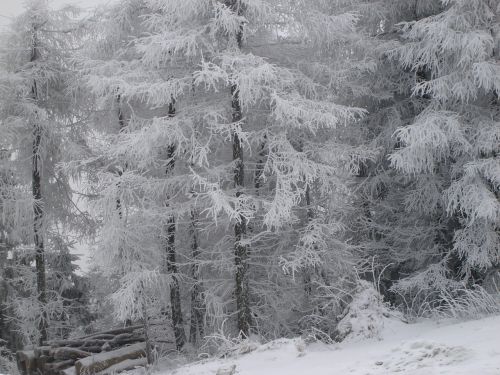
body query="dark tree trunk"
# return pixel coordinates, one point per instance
(4, 328)
(8, 333)
(259, 170)
(241, 251)
(145, 323)
(121, 117)
(197, 305)
(38, 209)
(307, 270)
(175, 294)
(38, 231)
(121, 127)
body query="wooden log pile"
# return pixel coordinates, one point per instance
(100, 353)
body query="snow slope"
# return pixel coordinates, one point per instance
(413, 349)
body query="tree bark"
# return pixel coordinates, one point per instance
(307, 271)
(241, 251)
(175, 294)
(197, 306)
(145, 322)
(121, 125)
(38, 209)
(259, 171)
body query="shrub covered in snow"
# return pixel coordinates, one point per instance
(364, 317)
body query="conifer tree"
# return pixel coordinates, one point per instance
(460, 116)
(34, 120)
(218, 63)
(440, 112)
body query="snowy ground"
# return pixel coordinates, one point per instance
(412, 349)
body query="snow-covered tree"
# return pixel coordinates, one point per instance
(219, 118)
(34, 120)
(459, 128)
(433, 196)
(242, 165)
(262, 105)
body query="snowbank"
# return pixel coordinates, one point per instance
(425, 348)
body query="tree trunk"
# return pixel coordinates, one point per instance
(121, 126)
(175, 294)
(38, 209)
(4, 329)
(259, 171)
(145, 322)
(241, 251)
(197, 306)
(307, 270)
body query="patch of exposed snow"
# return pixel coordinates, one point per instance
(418, 354)
(424, 348)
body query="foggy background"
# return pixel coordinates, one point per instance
(12, 8)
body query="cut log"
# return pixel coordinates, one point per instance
(99, 362)
(42, 350)
(60, 355)
(115, 331)
(43, 359)
(92, 349)
(58, 366)
(74, 343)
(77, 342)
(102, 336)
(122, 336)
(68, 371)
(26, 362)
(69, 353)
(128, 364)
(105, 336)
(124, 342)
(94, 341)
(44, 362)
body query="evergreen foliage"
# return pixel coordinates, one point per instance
(246, 167)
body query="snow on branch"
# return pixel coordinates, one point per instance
(136, 291)
(472, 197)
(433, 137)
(132, 81)
(226, 21)
(478, 246)
(294, 111)
(143, 147)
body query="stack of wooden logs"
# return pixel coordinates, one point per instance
(100, 353)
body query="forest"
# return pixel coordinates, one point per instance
(237, 170)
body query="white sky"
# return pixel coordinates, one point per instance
(10, 8)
